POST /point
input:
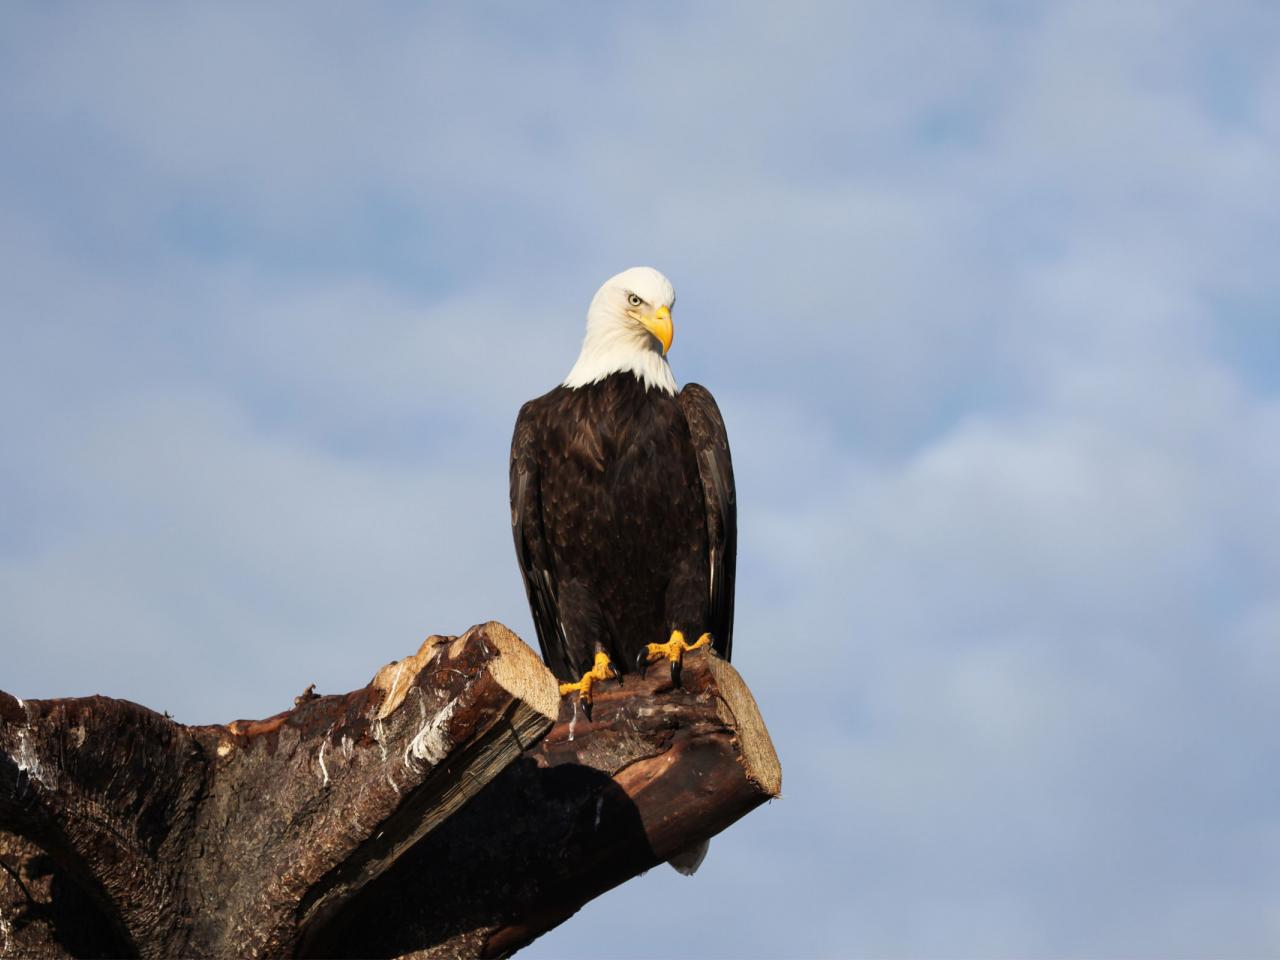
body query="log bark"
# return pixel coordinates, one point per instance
(594, 803)
(453, 807)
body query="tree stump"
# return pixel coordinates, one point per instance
(454, 807)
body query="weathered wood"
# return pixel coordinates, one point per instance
(437, 812)
(44, 913)
(592, 804)
(237, 840)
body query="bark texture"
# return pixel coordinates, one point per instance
(452, 807)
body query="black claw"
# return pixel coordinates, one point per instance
(586, 708)
(677, 666)
(642, 661)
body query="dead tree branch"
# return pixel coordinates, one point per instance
(453, 807)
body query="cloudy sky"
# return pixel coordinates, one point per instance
(989, 295)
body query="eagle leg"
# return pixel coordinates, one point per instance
(674, 650)
(603, 670)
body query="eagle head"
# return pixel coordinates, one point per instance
(628, 329)
(639, 300)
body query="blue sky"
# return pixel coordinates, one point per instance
(987, 293)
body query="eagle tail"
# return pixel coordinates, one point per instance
(688, 860)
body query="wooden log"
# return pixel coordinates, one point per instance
(343, 826)
(240, 840)
(592, 804)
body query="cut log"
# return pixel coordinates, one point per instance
(454, 807)
(595, 803)
(235, 840)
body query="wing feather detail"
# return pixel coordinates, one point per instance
(715, 467)
(532, 551)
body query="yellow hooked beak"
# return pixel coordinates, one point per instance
(660, 326)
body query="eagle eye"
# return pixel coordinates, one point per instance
(634, 300)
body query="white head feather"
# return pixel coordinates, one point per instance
(616, 342)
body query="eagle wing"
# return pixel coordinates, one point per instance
(532, 551)
(711, 447)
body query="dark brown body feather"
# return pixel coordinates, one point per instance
(625, 520)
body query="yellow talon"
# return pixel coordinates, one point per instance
(603, 670)
(674, 650)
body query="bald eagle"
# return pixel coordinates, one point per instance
(622, 500)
